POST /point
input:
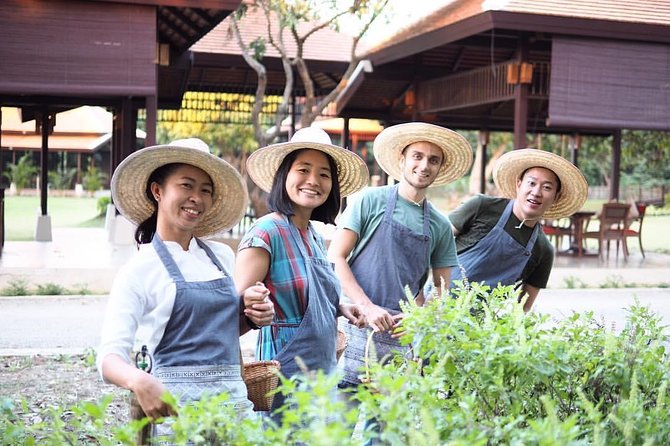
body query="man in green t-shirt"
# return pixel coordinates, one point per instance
(390, 238)
(500, 240)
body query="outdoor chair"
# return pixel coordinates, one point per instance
(612, 226)
(557, 229)
(634, 228)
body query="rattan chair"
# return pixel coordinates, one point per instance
(612, 226)
(557, 229)
(634, 228)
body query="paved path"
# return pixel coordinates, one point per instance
(71, 325)
(50, 325)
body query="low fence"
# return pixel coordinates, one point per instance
(650, 195)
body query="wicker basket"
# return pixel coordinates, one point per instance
(341, 345)
(261, 378)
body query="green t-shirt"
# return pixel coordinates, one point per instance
(366, 211)
(476, 217)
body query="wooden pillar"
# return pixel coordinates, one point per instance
(345, 143)
(43, 228)
(346, 134)
(574, 142)
(483, 139)
(123, 135)
(45, 119)
(2, 161)
(521, 90)
(152, 111)
(616, 165)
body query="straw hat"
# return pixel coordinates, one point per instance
(574, 188)
(390, 143)
(352, 172)
(129, 182)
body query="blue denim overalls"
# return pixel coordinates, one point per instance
(199, 352)
(394, 257)
(498, 257)
(316, 335)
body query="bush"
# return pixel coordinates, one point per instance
(15, 288)
(102, 203)
(50, 289)
(490, 374)
(22, 173)
(93, 179)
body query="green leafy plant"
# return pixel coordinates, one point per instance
(21, 173)
(93, 179)
(62, 178)
(572, 282)
(17, 287)
(613, 282)
(102, 203)
(483, 373)
(49, 289)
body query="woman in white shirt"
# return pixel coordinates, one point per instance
(177, 296)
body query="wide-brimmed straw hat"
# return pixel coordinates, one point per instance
(352, 172)
(391, 141)
(229, 199)
(574, 188)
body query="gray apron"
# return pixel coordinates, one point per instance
(394, 257)
(315, 337)
(199, 352)
(498, 257)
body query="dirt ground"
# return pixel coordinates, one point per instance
(65, 381)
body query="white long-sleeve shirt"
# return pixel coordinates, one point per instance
(142, 295)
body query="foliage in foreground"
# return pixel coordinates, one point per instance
(490, 375)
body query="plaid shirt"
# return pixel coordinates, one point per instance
(286, 279)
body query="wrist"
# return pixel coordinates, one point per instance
(251, 323)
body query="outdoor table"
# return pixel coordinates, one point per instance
(579, 220)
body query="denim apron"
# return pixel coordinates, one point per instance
(199, 352)
(314, 338)
(498, 257)
(395, 257)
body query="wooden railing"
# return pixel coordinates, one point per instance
(480, 86)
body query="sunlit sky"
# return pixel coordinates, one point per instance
(400, 13)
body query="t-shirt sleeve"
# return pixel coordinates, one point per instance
(539, 276)
(444, 254)
(462, 216)
(256, 237)
(352, 217)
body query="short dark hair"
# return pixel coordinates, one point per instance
(279, 201)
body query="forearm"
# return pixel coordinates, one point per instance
(115, 370)
(349, 283)
(530, 293)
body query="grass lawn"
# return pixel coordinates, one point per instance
(66, 212)
(21, 218)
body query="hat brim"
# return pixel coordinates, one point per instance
(229, 201)
(574, 188)
(352, 172)
(390, 143)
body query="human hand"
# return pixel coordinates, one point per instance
(398, 330)
(378, 318)
(353, 313)
(149, 392)
(257, 304)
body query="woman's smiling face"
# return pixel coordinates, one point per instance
(183, 200)
(309, 180)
